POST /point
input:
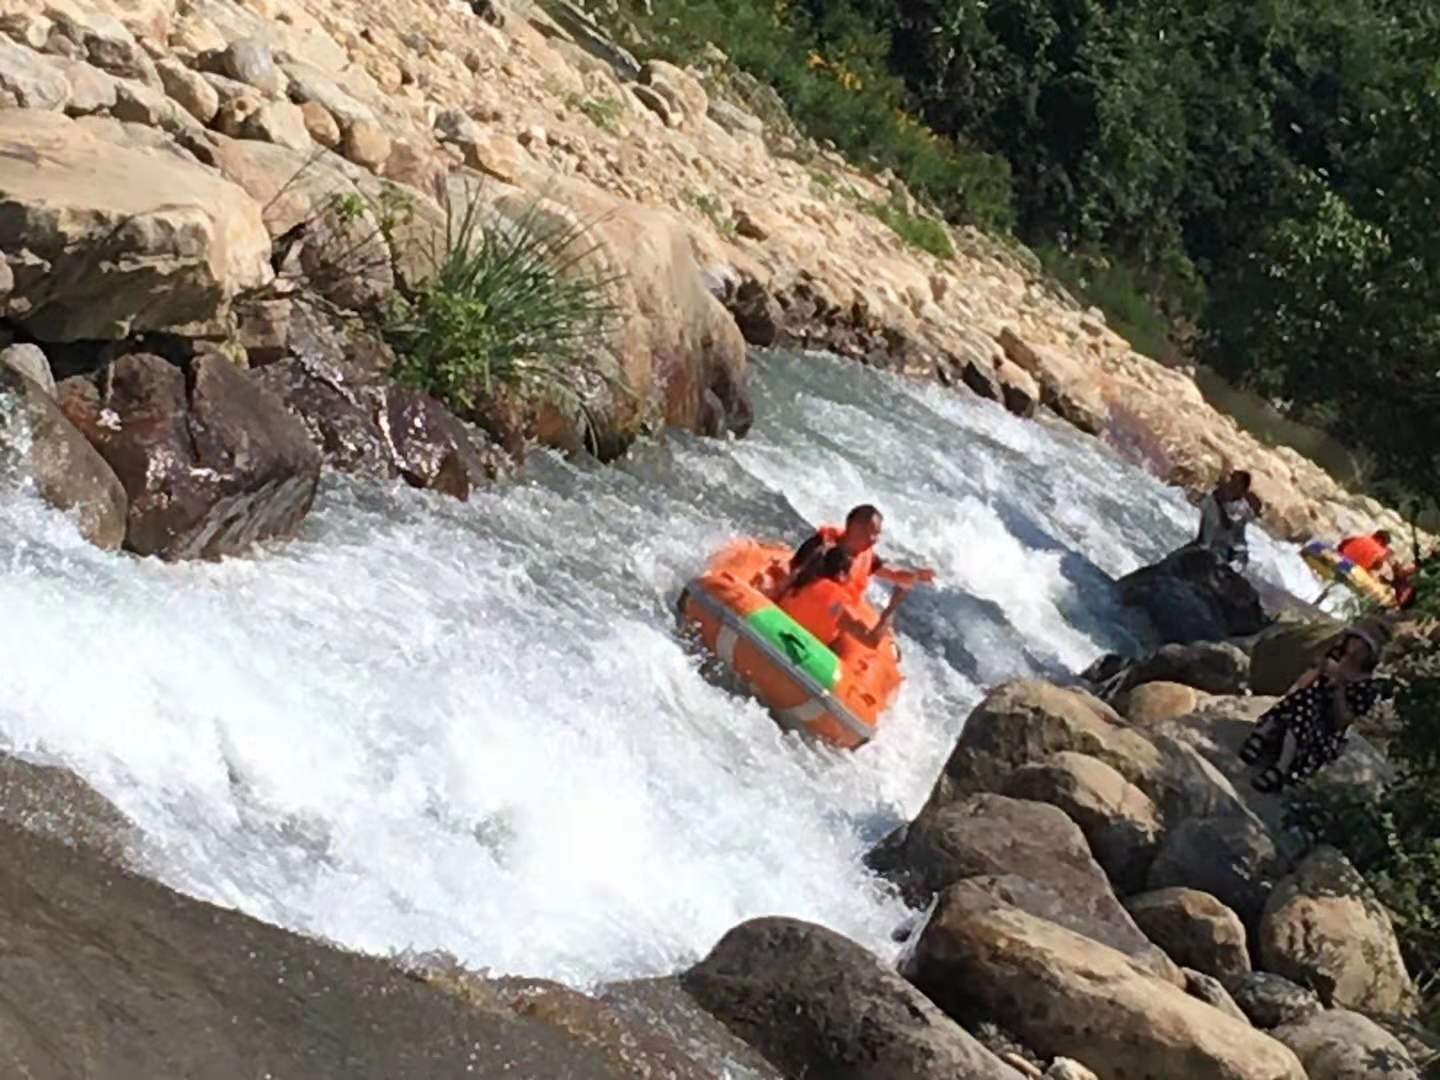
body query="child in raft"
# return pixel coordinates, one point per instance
(819, 600)
(1307, 728)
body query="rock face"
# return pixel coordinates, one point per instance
(1342, 1045)
(1063, 993)
(1034, 856)
(1286, 650)
(816, 1003)
(37, 443)
(1209, 666)
(105, 241)
(212, 994)
(1324, 928)
(1191, 596)
(210, 462)
(1194, 929)
(1119, 821)
(1063, 385)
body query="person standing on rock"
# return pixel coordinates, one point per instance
(860, 533)
(1224, 513)
(1307, 728)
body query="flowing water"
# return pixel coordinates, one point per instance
(471, 727)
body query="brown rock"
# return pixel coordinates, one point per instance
(1119, 821)
(189, 90)
(365, 143)
(37, 443)
(499, 155)
(1154, 702)
(28, 80)
(1064, 383)
(432, 449)
(1232, 858)
(321, 125)
(250, 61)
(1063, 993)
(210, 462)
(91, 90)
(816, 1003)
(1194, 929)
(1343, 1045)
(1036, 858)
(1323, 928)
(684, 96)
(117, 241)
(1210, 990)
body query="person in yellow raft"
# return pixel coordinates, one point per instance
(858, 537)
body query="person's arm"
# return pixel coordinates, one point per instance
(905, 575)
(871, 636)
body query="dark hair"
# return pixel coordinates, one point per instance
(1240, 476)
(834, 562)
(863, 512)
(1383, 535)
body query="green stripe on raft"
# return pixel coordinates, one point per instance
(805, 650)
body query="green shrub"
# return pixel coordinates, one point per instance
(603, 111)
(1117, 291)
(511, 305)
(711, 207)
(917, 230)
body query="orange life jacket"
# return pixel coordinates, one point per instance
(862, 566)
(817, 607)
(1364, 551)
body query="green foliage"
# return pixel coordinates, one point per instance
(510, 305)
(603, 110)
(711, 207)
(917, 230)
(1116, 290)
(832, 72)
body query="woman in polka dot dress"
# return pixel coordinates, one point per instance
(1308, 727)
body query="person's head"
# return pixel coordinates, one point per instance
(1363, 644)
(836, 563)
(1382, 535)
(1235, 486)
(862, 528)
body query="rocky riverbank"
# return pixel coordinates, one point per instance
(1099, 893)
(168, 181)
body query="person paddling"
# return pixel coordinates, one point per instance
(859, 535)
(819, 600)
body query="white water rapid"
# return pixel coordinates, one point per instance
(471, 727)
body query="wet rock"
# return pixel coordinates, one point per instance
(1324, 928)
(816, 1003)
(210, 462)
(111, 943)
(1035, 858)
(1195, 930)
(1120, 823)
(106, 241)
(1210, 990)
(38, 444)
(1271, 1000)
(755, 312)
(432, 449)
(1232, 858)
(1190, 595)
(55, 802)
(1064, 385)
(1066, 994)
(339, 418)
(1342, 1045)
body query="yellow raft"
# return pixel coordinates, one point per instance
(1326, 560)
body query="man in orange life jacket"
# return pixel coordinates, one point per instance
(862, 529)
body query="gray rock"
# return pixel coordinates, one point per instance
(1210, 990)
(1271, 1000)
(250, 61)
(1342, 1045)
(30, 361)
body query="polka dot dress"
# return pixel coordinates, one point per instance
(1310, 716)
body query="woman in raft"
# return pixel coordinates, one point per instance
(819, 600)
(1307, 728)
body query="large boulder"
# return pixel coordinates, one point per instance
(1027, 720)
(1232, 858)
(1152, 702)
(1035, 858)
(1285, 651)
(815, 1003)
(1194, 929)
(1119, 821)
(1341, 1045)
(39, 445)
(1190, 595)
(1212, 991)
(1064, 384)
(1324, 928)
(1215, 667)
(105, 241)
(211, 462)
(1063, 993)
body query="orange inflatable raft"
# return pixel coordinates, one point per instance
(835, 695)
